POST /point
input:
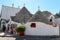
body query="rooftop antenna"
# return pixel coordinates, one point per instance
(38, 8)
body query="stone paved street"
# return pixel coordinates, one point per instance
(29, 38)
(37, 38)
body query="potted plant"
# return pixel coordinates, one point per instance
(20, 30)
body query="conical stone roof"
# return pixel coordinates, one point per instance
(22, 16)
(38, 17)
(46, 14)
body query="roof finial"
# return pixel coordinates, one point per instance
(38, 8)
(13, 5)
(24, 4)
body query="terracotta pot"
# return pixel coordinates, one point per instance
(21, 33)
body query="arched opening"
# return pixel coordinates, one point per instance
(52, 21)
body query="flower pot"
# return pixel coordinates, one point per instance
(20, 30)
(21, 33)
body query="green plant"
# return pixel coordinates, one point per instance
(20, 28)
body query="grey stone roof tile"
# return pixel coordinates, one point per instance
(38, 17)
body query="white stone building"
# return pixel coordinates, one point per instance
(7, 11)
(41, 25)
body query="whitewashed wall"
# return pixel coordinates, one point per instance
(41, 29)
(8, 11)
(57, 21)
(12, 22)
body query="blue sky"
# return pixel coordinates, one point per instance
(52, 6)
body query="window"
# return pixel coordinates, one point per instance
(33, 25)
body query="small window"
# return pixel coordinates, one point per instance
(33, 25)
